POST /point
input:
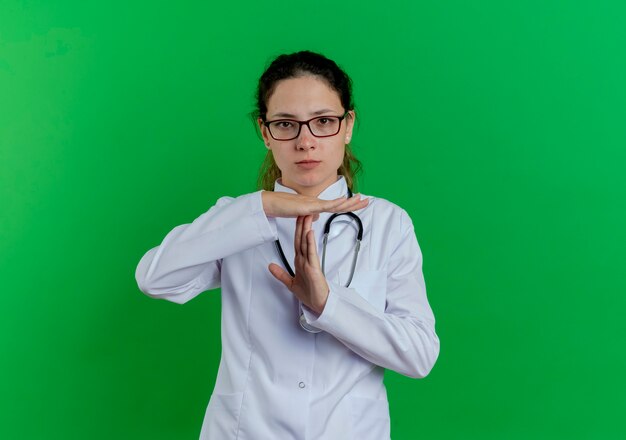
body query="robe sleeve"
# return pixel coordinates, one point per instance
(401, 338)
(188, 260)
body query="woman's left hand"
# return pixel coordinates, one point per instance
(309, 285)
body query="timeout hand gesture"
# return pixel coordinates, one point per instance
(309, 283)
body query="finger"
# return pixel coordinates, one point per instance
(306, 227)
(280, 274)
(345, 205)
(349, 204)
(297, 236)
(362, 204)
(358, 203)
(329, 205)
(312, 254)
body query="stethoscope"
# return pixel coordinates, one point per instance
(359, 237)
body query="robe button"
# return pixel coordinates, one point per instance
(301, 385)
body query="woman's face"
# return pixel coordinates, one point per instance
(303, 98)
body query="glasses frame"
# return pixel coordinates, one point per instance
(301, 123)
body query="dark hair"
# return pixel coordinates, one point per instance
(292, 66)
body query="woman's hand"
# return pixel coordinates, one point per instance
(282, 204)
(309, 285)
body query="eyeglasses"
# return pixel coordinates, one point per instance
(320, 126)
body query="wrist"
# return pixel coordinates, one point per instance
(321, 307)
(265, 201)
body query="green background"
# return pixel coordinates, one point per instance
(499, 126)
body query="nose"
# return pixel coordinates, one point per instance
(305, 139)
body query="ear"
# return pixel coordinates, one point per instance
(264, 133)
(349, 125)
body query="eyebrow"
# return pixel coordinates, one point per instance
(315, 113)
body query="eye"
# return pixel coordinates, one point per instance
(283, 124)
(326, 123)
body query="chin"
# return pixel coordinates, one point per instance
(311, 178)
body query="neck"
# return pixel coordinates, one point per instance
(311, 191)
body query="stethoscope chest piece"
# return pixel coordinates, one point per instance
(305, 325)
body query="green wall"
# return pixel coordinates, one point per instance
(499, 126)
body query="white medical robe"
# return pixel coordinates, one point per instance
(277, 381)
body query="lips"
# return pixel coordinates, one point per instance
(308, 164)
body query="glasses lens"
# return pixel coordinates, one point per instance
(283, 130)
(325, 125)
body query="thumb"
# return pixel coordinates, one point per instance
(280, 274)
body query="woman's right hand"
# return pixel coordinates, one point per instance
(282, 204)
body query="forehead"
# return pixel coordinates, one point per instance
(303, 96)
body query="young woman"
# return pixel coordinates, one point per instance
(309, 321)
